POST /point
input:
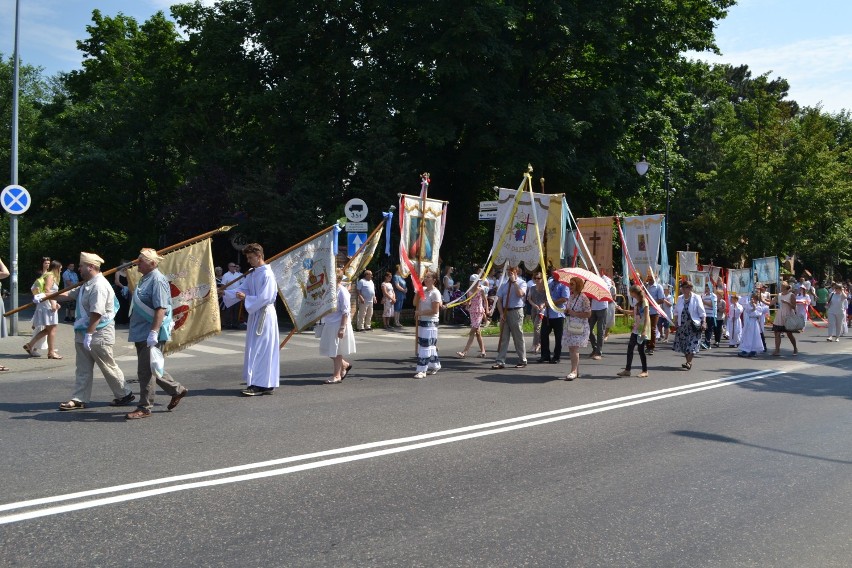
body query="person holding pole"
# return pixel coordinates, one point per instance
(261, 364)
(510, 301)
(94, 335)
(427, 315)
(150, 326)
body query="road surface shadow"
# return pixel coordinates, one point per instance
(709, 437)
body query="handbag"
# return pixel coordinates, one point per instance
(575, 325)
(318, 330)
(794, 322)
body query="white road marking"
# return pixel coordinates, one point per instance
(434, 439)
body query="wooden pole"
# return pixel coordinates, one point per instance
(160, 252)
(286, 339)
(424, 189)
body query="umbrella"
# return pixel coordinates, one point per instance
(596, 287)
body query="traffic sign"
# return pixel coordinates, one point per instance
(356, 227)
(354, 242)
(355, 210)
(488, 206)
(488, 215)
(15, 199)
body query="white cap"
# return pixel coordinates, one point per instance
(474, 277)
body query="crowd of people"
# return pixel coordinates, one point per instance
(557, 310)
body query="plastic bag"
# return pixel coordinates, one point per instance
(158, 363)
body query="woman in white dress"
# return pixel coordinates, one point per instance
(47, 311)
(337, 339)
(803, 304)
(751, 343)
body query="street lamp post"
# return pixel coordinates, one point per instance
(642, 168)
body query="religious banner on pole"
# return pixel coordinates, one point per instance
(421, 228)
(739, 281)
(306, 279)
(597, 231)
(642, 235)
(699, 280)
(687, 261)
(520, 246)
(766, 270)
(195, 303)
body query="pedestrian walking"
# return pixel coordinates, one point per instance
(476, 308)
(337, 340)
(578, 311)
(690, 325)
(427, 315)
(641, 331)
(511, 296)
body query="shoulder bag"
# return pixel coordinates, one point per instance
(575, 325)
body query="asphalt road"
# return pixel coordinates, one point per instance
(736, 463)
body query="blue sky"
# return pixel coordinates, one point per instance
(807, 43)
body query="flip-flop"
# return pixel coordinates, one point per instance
(346, 371)
(332, 381)
(3, 368)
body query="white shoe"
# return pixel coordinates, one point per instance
(432, 371)
(420, 375)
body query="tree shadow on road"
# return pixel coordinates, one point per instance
(707, 436)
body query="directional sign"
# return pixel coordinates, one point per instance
(488, 206)
(355, 210)
(356, 227)
(15, 199)
(487, 215)
(354, 242)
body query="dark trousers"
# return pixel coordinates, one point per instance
(556, 325)
(634, 341)
(717, 330)
(597, 323)
(652, 338)
(708, 333)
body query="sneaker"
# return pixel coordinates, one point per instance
(649, 352)
(123, 401)
(256, 391)
(624, 373)
(138, 413)
(432, 371)
(643, 375)
(420, 375)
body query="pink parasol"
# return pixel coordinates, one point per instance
(596, 287)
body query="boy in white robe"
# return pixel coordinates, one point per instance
(734, 323)
(258, 290)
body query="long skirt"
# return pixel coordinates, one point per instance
(687, 341)
(427, 347)
(331, 345)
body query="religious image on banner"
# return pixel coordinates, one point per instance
(643, 234)
(715, 273)
(421, 232)
(195, 303)
(699, 281)
(362, 257)
(597, 232)
(687, 261)
(765, 270)
(519, 244)
(306, 278)
(739, 281)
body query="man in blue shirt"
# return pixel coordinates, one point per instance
(511, 296)
(151, 300)
(553, 321)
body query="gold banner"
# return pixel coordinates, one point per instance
(597, 232)
(195, 302)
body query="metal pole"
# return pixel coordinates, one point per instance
(666, 182)
(13, 219)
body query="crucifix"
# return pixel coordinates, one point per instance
(526, 225)
(595, 238)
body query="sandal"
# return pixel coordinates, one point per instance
(3, 368)
(687, 366)
(482, 355)
(571, 376)
(346, 372)
(461, 354)
(30, 351)
(332, 381)
(72, 405)
(54, 355)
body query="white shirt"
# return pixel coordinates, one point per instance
(367, 290)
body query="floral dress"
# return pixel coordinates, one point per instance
(477, 309)
(686, 339)
(579, 304)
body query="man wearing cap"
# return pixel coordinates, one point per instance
(149, 308)
(261, 367)
(94, 335)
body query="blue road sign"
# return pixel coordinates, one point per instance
(15, 199)
(354, 242)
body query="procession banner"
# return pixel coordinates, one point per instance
(597, 231)
(642, 235)
(765, 270)
(554, 230)
(195, 302)
(739, 281)
(521, 246)
(687, 261)
(699, 279)
(306, 279)
(419, 248)
(363, 255)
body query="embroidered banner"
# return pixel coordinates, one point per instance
(642, 235)
(421, 228)
(687, 261)
(739, 281)
(765, 270)
(597, 232)
(521, 246)
(195, 303)
(306, 279)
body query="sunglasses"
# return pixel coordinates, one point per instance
(45, 259)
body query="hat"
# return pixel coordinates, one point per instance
(91, 258)
(150, 254)
(474, 277)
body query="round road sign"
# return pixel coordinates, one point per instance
(355, 210)
(15, 199)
